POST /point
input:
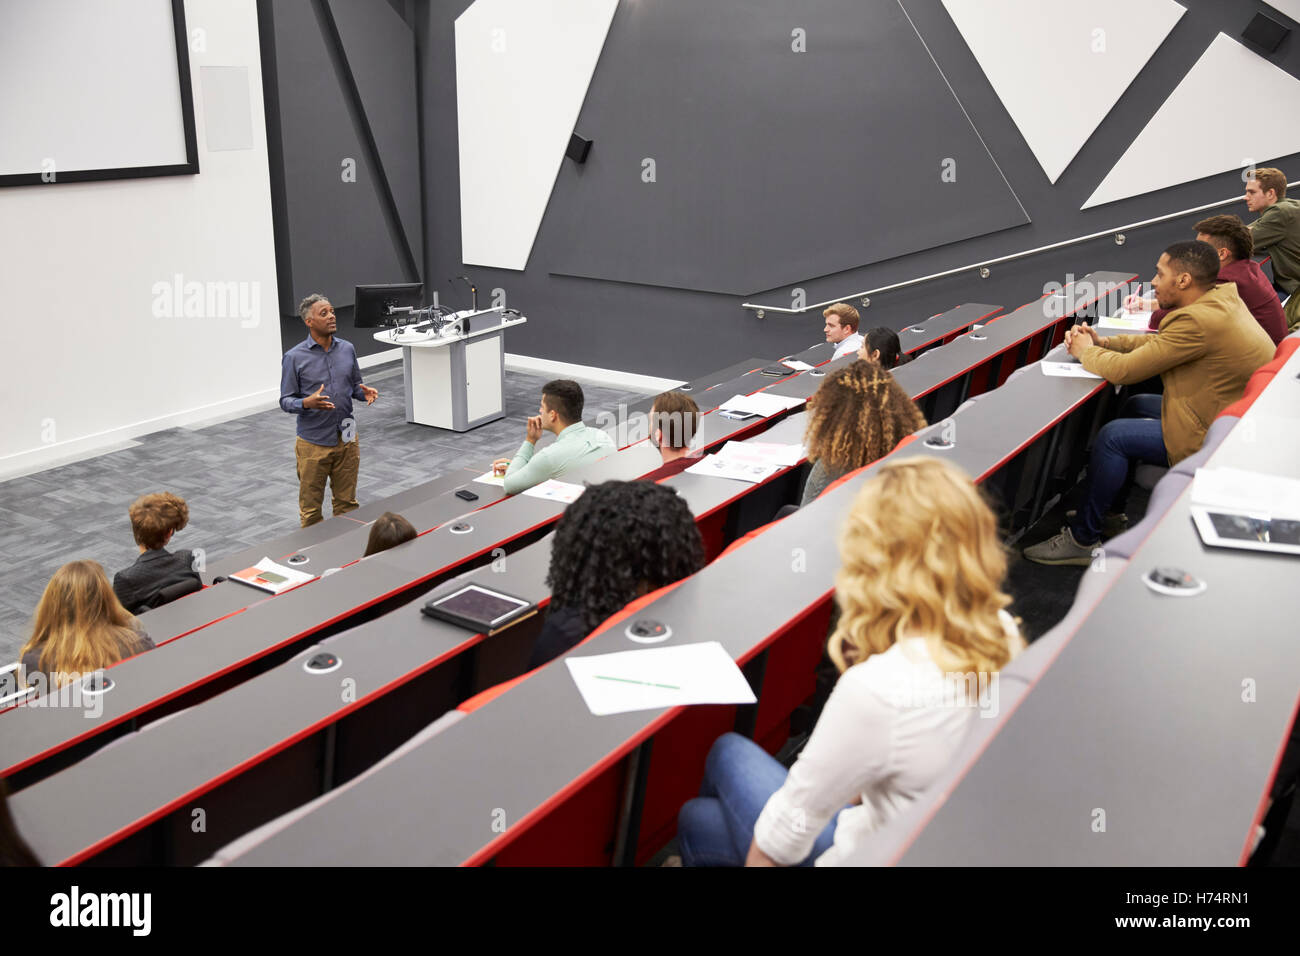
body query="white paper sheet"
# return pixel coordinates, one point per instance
(763, 453)
(657, 677)
(760, 403)
(1126, 320)
(490, 479)
(553, 490)
(715, 466)
(796, 365)
(1237, 490)
(1066, 370)
(292, 577)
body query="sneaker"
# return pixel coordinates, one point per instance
(1112, 526)
(1062, 549)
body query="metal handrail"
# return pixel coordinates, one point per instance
(1118, 232)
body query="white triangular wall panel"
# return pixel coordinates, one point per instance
(1290, 7)
(522, 71)
(1059, 66)
(1233, 109)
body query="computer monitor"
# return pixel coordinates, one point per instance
(373, 302)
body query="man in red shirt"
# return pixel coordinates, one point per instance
(674, 420)
(1232, 238)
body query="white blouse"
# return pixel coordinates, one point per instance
(891, 725)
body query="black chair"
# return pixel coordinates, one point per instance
(173, 591)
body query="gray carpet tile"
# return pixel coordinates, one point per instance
(239, 480)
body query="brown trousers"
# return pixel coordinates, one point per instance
(317, 464)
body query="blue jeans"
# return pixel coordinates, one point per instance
(717, 827)
(1135, 436)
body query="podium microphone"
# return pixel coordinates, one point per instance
(473, 291)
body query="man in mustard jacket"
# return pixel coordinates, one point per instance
(1206, 350)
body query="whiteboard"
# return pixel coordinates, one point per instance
(92, 90)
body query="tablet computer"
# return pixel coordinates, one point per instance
(1248, 530)
(478, 608)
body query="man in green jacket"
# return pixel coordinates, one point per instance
(1277, 233)
(575, 443)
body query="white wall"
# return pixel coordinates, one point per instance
(87, 362)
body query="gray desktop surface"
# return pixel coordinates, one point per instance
(428, 807)
(142, 776)
(931, 330)
(183, 754)
(1003, 422)
(425, 515)
(704, 382)
(936, 367)
(275, 549)
(1143, 715)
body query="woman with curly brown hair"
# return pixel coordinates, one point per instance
(620, 540)
(922, 634)
(857, 416)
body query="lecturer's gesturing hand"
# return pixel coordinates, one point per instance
(370, 393)
(534, 428)
(318, 399)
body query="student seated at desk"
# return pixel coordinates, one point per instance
(575, 443)
(154, 519)
(619, 541)
(1233, 241)
(79, 627)
(388, 531)
(841, 329)
(1277, 233)
(881, 346)
(921, 636)
(674, 420)
(1207, 348)
(857, 416)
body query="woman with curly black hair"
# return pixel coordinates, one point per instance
(619, 541)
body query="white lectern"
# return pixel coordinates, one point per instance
(455, 378)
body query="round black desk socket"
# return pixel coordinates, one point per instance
(686, 388)
(647, 631)
(1174, 582)
(460, 527)
(938, 441)
(297, 559)
(94, 684)
(816, 372)
(977, 337)
(321, 663)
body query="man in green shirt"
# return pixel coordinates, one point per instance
(575, 444)
(1277, 233)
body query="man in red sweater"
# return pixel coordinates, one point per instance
(1232, 238)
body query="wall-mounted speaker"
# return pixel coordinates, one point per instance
(578, 149)
(1265, 33)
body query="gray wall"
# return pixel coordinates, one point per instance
(677, 332)
(341, 85)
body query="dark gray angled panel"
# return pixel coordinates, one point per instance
(336, 231)
(771, 166)
(380, 51)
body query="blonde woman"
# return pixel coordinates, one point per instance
(79, 627)
(922, 628)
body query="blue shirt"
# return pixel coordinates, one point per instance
(304, 369)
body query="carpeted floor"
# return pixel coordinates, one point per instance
(239, 480)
